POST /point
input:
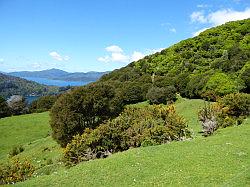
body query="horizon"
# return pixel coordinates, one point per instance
(54, 69)
(101, 36)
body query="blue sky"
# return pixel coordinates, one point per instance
(98, 35)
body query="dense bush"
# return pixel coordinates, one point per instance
(228, 111)
(15, 171)
(158, 95)
(131, 93)
(84, 107)
(43, 103)
(237, 104)
(220, 84)
(135, 127)
(4, 109)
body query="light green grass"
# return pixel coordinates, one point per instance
(188, 108)
(22, 130)
(220, 160)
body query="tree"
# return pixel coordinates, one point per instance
(84, 107)
(4, 109)
(17, 105)
(158, 95)
(220, 84)
(43, 104)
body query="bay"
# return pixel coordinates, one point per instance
(60, 83)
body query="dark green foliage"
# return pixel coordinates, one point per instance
(135, 127)
(238, 104)
(131, 93)
(43, 103)
(4, 109)
(15, 171)
(16, 150)
(163, 95)
(245, 76)
(84, 107)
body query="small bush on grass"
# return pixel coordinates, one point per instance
(135, 127)
(15, 171)
(228, 111)
(16, 150)
(208, 120)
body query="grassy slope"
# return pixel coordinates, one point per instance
(222, 159)
(22, 130)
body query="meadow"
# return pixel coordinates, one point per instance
(221, 160)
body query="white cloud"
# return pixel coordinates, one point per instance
(1, 60)
(117, 55)
(199, 31)
(222, 16)
(114, 49)
(58, 57)
(198, 17)
(218, 17)
(137, 56)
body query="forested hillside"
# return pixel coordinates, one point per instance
(213, 64)
(10, 85)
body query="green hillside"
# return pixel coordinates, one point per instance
(215, 63)
(222, 159)
(10, 85)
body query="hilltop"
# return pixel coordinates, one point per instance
(215, 63)
(10, 85)
(57, 74)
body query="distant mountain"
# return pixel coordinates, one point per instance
(58, 74)
(49, 74)
(10, 85)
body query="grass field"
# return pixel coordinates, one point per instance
(220, 160)
(22, 130)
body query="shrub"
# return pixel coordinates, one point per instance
(228, 111)
(238, 104)
(43, 104)
(15, 171)
(132, 93)
(84, 107)
(4, 109)
(208, 120)
(16, 150)
(158, 95)
(135, 127)
(220, 84)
